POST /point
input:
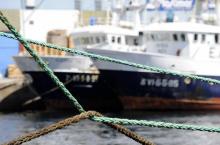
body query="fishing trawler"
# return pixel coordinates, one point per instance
(188, 47)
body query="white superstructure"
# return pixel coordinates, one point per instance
(191, 47)
(182, 46)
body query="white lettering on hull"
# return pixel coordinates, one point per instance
(170, 83)
(83, 78)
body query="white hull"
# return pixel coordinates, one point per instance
(174, 63)
(66, 64)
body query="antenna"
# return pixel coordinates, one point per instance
(116, 12)
(108, 12)
(197, 10)
(120, 10)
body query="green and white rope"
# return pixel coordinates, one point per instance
(118, 61)
(44, 66)
(156, 124)
(41, 63)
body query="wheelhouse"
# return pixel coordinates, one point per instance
(182, 40)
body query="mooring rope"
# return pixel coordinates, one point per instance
(41, 63)
(44, 66)
(76, 119)
(118, 61)
(158, 124)
(105, 120)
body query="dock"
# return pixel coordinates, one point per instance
(17, 94)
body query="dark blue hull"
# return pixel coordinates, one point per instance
(115, 90)
(88, 90)
(160, 85)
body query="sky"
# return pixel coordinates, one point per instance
(86, 5)
(51, 4)
(69, 4)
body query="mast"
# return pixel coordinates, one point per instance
(117, 12)
(197, 10)
(136, 8)
(108, 12)
(120, 10)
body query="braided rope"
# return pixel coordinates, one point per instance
(117, 120)
(106, 119)
(118, 61)
(76, 119)
(41, 63)
(156, 124)
(44, 66)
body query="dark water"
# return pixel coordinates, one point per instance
(91, 133)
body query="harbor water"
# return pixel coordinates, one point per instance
(86, 132)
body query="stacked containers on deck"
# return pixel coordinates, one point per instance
(58, 37)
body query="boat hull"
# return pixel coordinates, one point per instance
(86, 88)
(148, 90)
(130, 91)
(115, 89)
(144, 89)
(79, 76)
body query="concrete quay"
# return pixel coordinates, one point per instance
(16, 94)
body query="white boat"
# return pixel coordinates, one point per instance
(188, 47)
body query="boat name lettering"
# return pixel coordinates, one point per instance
(171, 83)
(82, 78)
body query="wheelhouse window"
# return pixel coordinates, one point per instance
(175, 37)
(97, 40)
(135, 42)
(216, 38)
(119, 40)
(195, 37)
(152, 37)
(113, 39)
(183, 37)
(203, 37)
